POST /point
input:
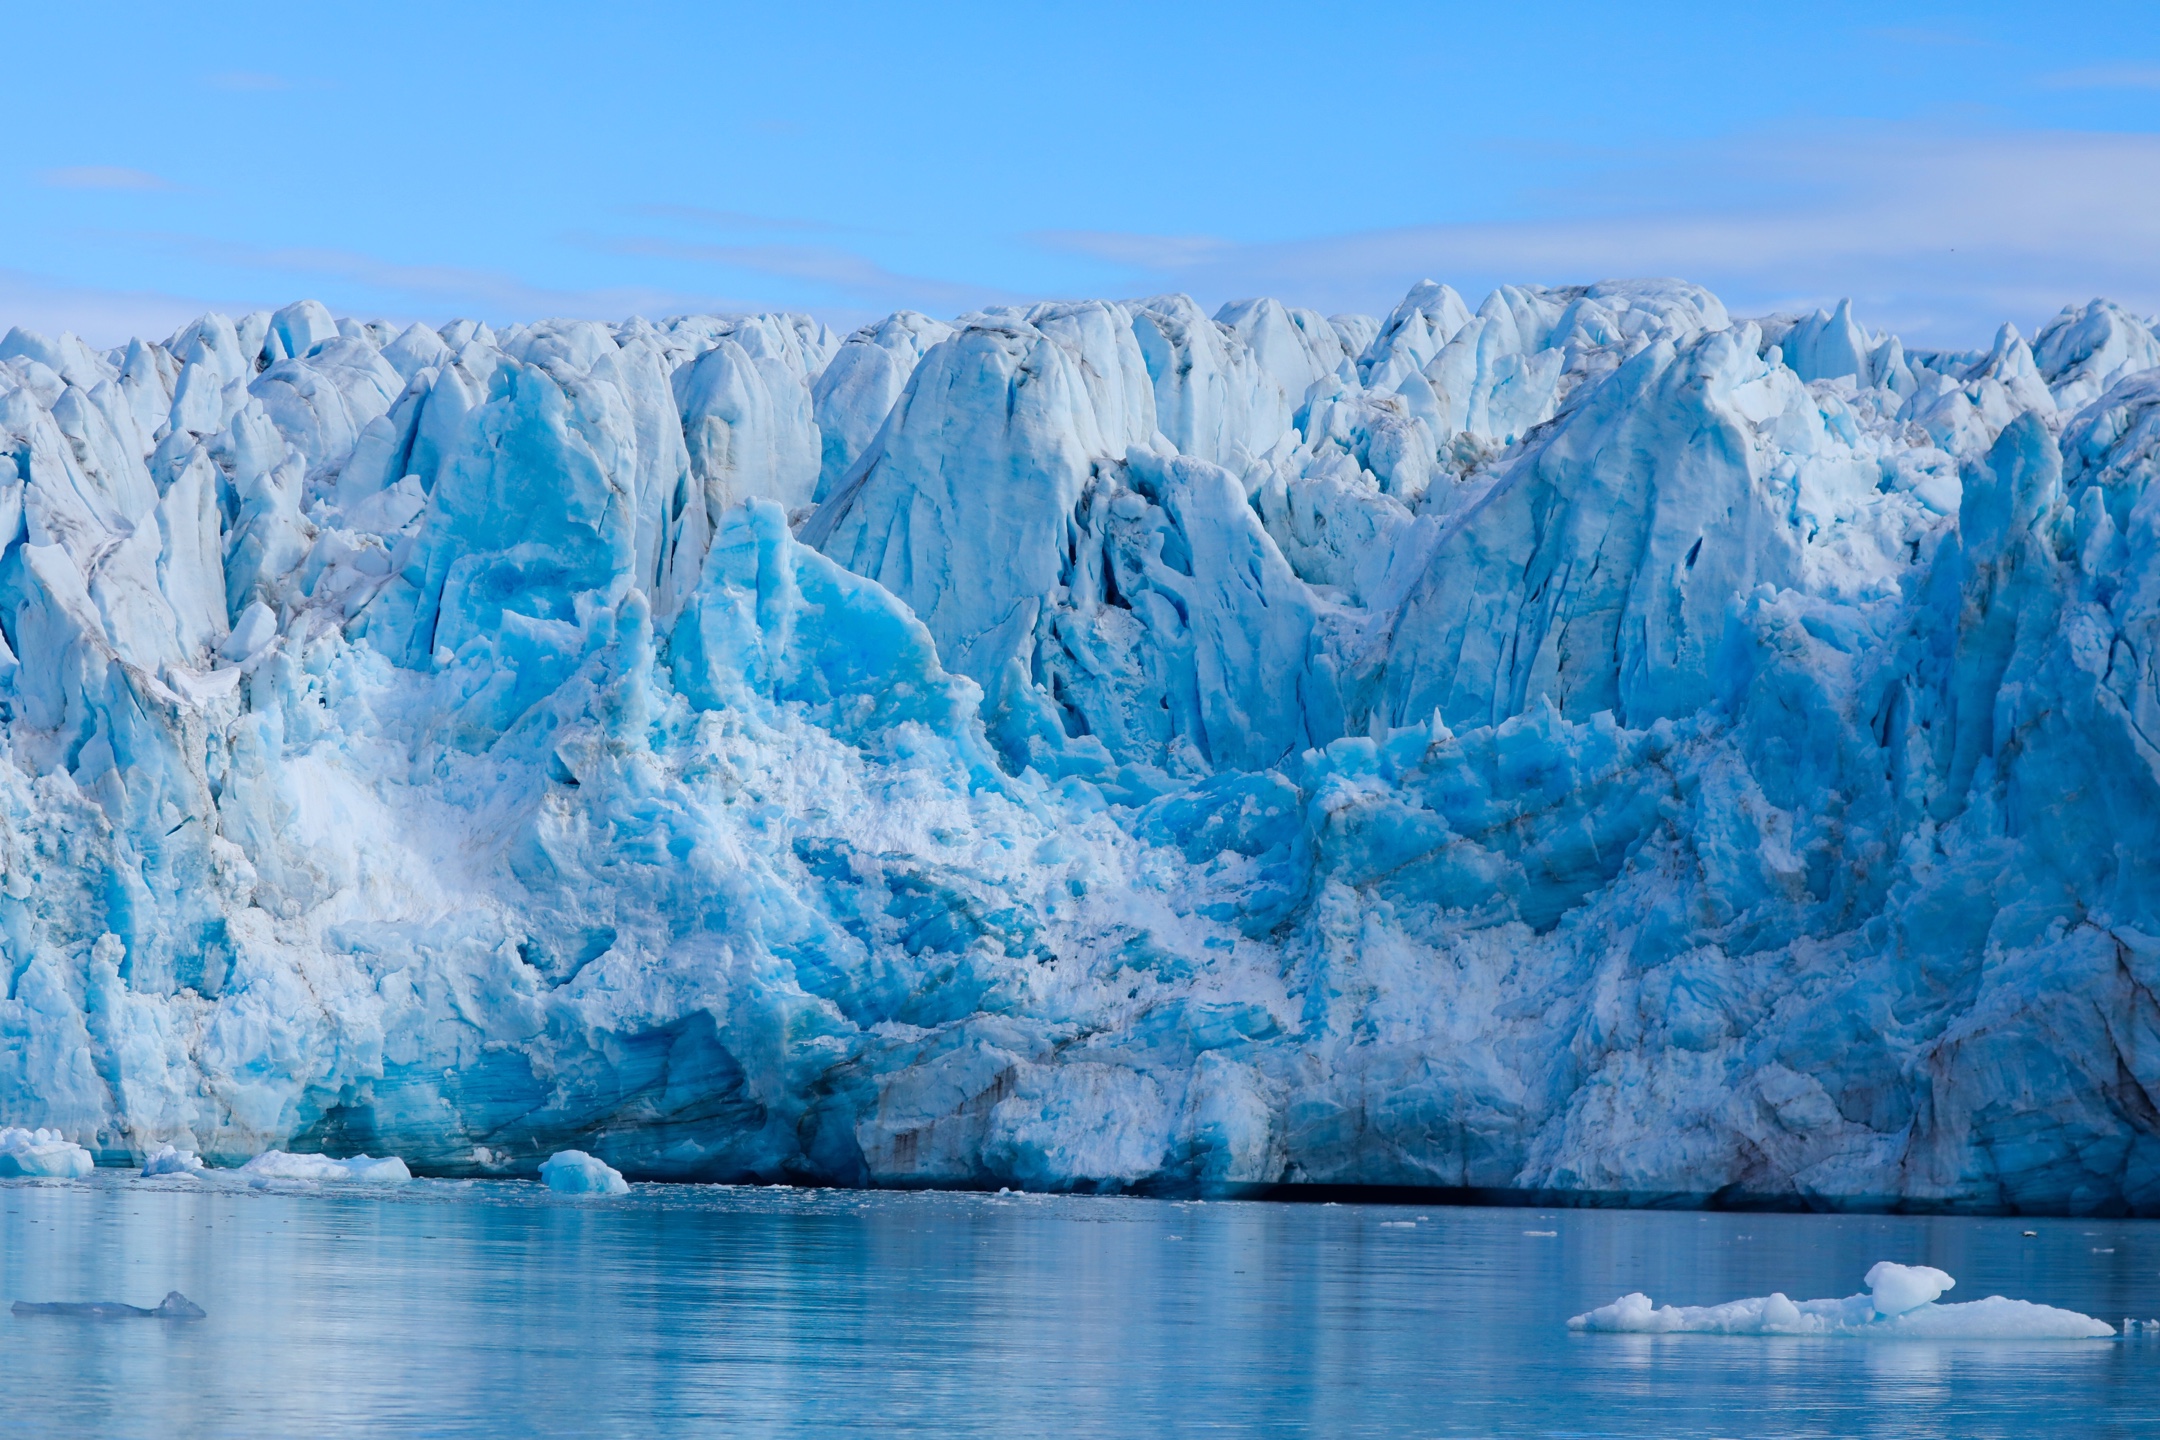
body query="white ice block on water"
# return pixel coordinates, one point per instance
(360, 1169)
(1901, 1307)
(573, 1172)
(166, 1160)
(1895, 1289)
(42, 1153)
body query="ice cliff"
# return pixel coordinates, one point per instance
(1587, 743)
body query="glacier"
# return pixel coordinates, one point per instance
(1591, 745)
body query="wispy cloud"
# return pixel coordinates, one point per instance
(736, 219)
(845, 271)
(2105, 77)
(1141, 252)
(414, 290)
(1940, 235)
(1929, 35)
(103, 177)
(101, 316)
(247, 80)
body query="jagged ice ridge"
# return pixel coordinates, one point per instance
(1589, 744)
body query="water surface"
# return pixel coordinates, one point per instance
(484, 1309)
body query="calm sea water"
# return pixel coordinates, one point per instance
(498, 1309)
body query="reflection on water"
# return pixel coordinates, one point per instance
(497, 1309)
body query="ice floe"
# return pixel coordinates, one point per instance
(573, 1172)
(1900, 1305)
(175, 1306)
(44, 1153)
(359, 1169)
(169, 1160)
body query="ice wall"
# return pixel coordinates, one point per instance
(1586, 742)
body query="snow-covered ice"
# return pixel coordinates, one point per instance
(573, 1172)
(359, 1169)
(1894, 1289)
(168, 1160)
(44, 1153)
(1581, 741)
(1900, 1306)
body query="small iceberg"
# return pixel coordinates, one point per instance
(174, 1306)
(360, 1169)
(573, 1172)
(167, 1160)
(42, 1153)
(1900, 1305)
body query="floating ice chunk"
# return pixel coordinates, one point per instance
(169, 1161)
(1912, 1288)
(361, 1169)
(174, 1306)
(42, 1153)
(573, 1172)
(1898, 1288)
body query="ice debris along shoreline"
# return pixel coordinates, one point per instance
(1588, 742)
(569, 1172)
(1901, 1305)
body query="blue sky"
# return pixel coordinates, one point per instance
(1949, 166)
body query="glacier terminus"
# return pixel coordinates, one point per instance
(1589, 744)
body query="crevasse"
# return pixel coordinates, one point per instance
(1585, 744)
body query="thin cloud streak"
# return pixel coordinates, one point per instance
(843, 270)
(2105, 77)
(101, 317)
(494, 294)
(1926, 35)
(1142, 252)
(737, 219)
(104, 177)
(1941, 236)
(247, 81)
(1938, 236)
(351, 283)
